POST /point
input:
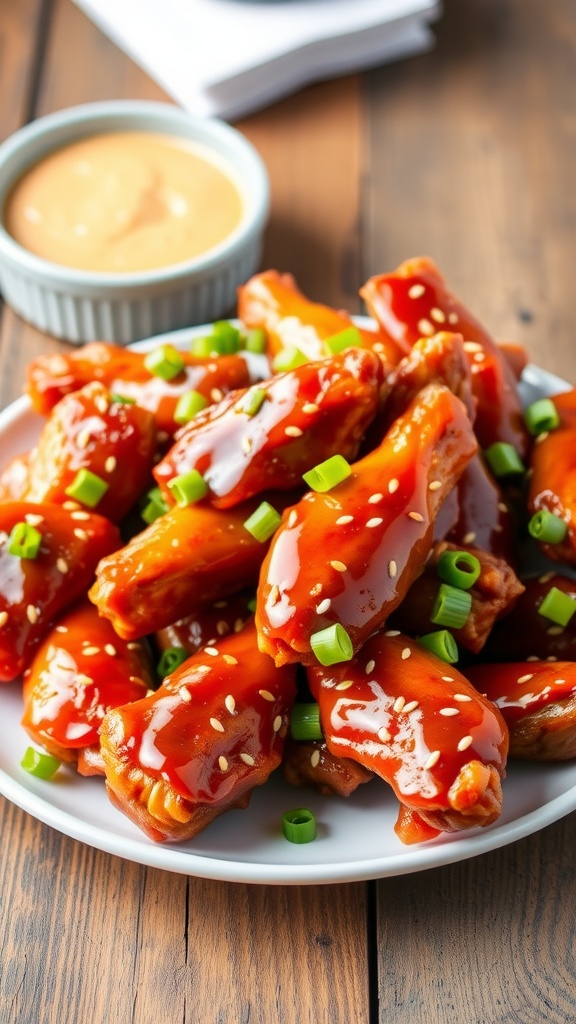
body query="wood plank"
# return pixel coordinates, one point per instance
(20, 26)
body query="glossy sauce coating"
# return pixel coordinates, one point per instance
(349, 555)
(417, 723)
(81, 670)
(212, 732)
(305, 416)
(552, 484)
(34, 591)
(210, 624)
(124, 201)
(525, 634)
(414, 301)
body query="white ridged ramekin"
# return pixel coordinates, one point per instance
(80, 305)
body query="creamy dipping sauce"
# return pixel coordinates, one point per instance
(122, 202)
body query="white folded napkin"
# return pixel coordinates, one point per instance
(226, 58)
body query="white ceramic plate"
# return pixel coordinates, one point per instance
(355, 839)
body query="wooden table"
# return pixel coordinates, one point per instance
(466, 154)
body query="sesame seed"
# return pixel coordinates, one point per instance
(238, 625)
(448, 712)
(222, 627)
(555, 630)
(432, 760)
(469, 538)
(32, 614)
(384, 735)
(315, 590)
(277, 723)
(416, 291)
(452, 318)
(293, 431)
(247, 758)
(80, 534)
(372, 523)
(91, 650)
(223, 763)
(472, 346)
(399, 704)
(438, 315)
(3, 618)
(524, 679)
(247, 445)
(541, 437)
(434, 485)
(393, 485)
(185, 695)
(61, 629)
(315, 758)
(101, 403)
(80, 515)
(216, 395)
(378, 346)
(84, 680)
(425, 327)
(343, 520)
(292, 518)
(230, 659)
(267, 695)
(110, 464)
(216, 725)
(70, 505)
(83, 438)
(464, 743)
(110, 649)
(392, 568)
(447, 679)
(370, 666)
(406, 653)
(212, 651)
(275, 593)
(310, 407)
(392, 632)
(344, 685)
(411, 706)
(416, 517)
(375, 498)
(339, 566)
(323, 606)
(462, 697)
(230, 703)
(33, 519)
(502, 506)
(546, 577)
(62, 565)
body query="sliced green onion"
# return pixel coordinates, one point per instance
(87, 488)
(451, 607)
(170, 660)
(188, 488)
(350, 337)
(504, 460)
(122, 399)
(459, 568)
(299, 825)
(43, 766)
(305, 722)
(165, 362)
(254, 340)
(263, 522)
(557, 606)
(541, 416)
(328, 474)
(253, 401)
(24, 541)
(442, 644)
(227, 336)
(251, 606)
(332, 645)
(288, 359)
(188, 405)
(547, 528)
(155, 506)
(205, 347)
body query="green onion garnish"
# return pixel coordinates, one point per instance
(251, 606)
(188, 488)
(504, 460)
(328, 474)
(24, 541)
(350, 337)
(122, 399)
(442, 644)
(204, 347)
(188, 405)
(557, 606)
(254, 340)
(87, 488)
(305, 722)
(451, 607)
(253, 401)
(170, 660)
(547, 528)
(165, 362)
(43, 766)
(459, 568)
(227, 336)
(263, 522)
(155, 506)
(541, 416)
(332, 645)
(299, 825)
(288, 359)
